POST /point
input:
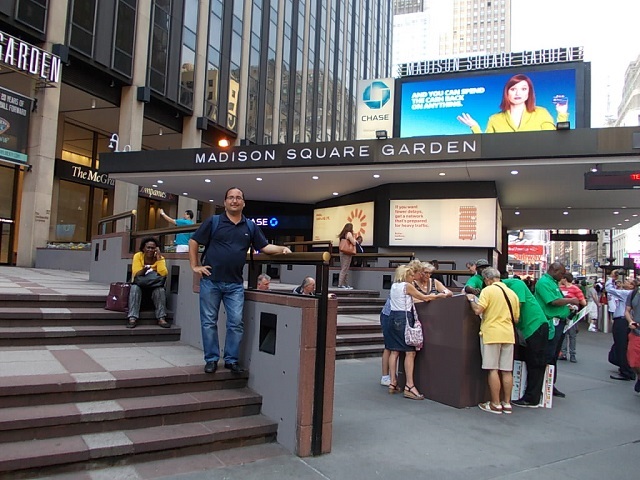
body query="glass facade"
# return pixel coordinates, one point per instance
(159, 48)
(214, 46)
(83, 24)
(125, 28)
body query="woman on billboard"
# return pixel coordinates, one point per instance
(518, 110)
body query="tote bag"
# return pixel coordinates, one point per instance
(347, 247)
(118, 297)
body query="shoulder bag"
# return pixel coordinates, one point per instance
(151, 279)
(346, 247)
(413, 333)
(118, 297)
(520, 340)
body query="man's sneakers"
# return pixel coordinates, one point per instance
(593, 328)
(573, 359)
(385, 380)
(558, 393)
(234, 368)
(523, 403)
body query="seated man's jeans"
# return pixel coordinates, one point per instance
(232, 296)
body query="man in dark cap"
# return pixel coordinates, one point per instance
(475, 284)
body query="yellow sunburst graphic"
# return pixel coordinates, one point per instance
(358, 219)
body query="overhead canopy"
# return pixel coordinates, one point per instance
(550, 169)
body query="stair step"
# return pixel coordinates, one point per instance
(359, 339)
(48, 421)
(355, 309)
(361, 301)
(58, 316)
(359, 351)
(83, 334)
(19, 300)
(120, 446)
(359, 328)
(45, 390)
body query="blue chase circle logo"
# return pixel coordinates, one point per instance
(376, 95)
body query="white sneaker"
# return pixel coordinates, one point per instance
(592, 329)
(385, 381)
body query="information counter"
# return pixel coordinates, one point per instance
(449, 367)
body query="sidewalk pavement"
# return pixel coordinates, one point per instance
(591, 434)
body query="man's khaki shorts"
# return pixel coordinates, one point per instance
(497, 356)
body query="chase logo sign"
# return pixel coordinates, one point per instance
(376, 95)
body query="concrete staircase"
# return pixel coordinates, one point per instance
(359, 339)
(28, 320)
(66, 422)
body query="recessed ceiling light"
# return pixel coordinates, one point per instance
(154, 185)
(315, 177)
(375, 175)
(442, 174)
(185, 193)
(626, 219)
(616, 213)
(594, 169)
(336, 193)
(565, 213)
(211, 199)
(259, 179)
(619, 224)
(160, 181)
(516, 213)
(514, 172)
(623, 207)
(207, 180)
(634, 215)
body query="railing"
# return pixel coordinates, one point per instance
(316, 243)
(103, 222)
(398, 258)
(161, 233)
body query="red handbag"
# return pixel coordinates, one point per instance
(118, 298)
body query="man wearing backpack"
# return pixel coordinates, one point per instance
(226, 238)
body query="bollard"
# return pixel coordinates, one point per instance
(604, 325)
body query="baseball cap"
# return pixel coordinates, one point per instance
(482, 263)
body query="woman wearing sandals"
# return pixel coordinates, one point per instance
(401, 297)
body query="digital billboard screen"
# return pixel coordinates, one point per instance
(450, 104)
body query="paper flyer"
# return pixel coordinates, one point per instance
(579, 316)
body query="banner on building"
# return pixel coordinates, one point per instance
(375, 108)
(15, 110)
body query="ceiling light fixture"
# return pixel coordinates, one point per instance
(616, 213)
(160, 132)
(442, 174)
(335, 194)
(514, 172)
(185, 193)
(259, 179)
(565, 213)
(207, 180)
(93, 103)
(516, 212)
(160, 181)
(154, 185)
(375, 175)
(211, 199)
(594, 169)
(315, 177)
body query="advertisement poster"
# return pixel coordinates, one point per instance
(456, 222)
(15, 110)
(431, 106)
(375, 108)
(328, 222)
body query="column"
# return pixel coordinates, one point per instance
(35, 207)
(131, 120)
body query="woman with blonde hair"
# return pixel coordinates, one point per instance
(345, 258)
(401, 298)
(427, 285)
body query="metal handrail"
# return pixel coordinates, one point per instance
(118, 216)
(311, 243)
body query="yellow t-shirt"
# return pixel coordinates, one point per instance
(497, 326)
(539, 119)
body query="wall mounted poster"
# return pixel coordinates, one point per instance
(328, 222)
(456, 222)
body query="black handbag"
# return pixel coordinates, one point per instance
(151, 279)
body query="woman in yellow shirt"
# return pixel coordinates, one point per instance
(148, 260)
(518, 111)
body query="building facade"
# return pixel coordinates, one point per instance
(170, 74)
(431, 29)
(629, 108)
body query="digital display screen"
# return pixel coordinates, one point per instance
(611, 180)
(432, 104)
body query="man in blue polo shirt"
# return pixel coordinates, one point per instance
(221, 276)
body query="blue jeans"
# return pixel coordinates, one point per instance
(232, 296)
